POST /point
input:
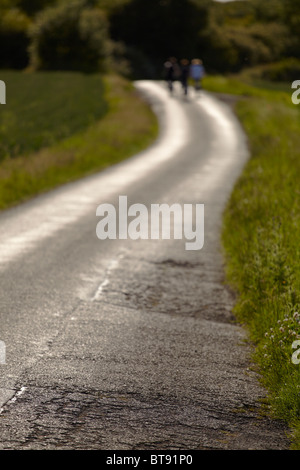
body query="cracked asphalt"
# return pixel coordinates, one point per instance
(131, 344)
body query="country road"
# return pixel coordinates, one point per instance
(130, 344)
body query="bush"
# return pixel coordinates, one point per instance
(284, 71)
(31, 7)
(14, 39)
(231, 48)
(72, 36)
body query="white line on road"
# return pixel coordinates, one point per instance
(112, 266)
(9, 396)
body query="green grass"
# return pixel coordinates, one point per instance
(261, 238)
(98, 122)
(43, 108)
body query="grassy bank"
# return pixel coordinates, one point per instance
(261, 238)
(57, 127)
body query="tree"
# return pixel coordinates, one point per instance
(31, 7)
(14, 39)
(292, 19)
(70, 36)
(157, 29)
(243, 34)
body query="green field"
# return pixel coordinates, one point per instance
(261, 238)
(44, 108)
(59, 126)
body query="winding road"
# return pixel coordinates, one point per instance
(130, 344)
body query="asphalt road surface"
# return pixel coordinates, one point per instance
(124, 344)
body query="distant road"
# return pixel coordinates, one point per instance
(130, 344)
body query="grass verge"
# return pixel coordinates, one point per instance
(118, 126)
(261, 239)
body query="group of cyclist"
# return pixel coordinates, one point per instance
(182, 71)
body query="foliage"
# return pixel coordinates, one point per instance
(156, 29)
(286, 70)
(33, 6)
(243, 34)
(70, 36)
(14, 40)
(227, 36)
(261, 237)
(292, 19)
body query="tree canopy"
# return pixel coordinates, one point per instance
(227, 36)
